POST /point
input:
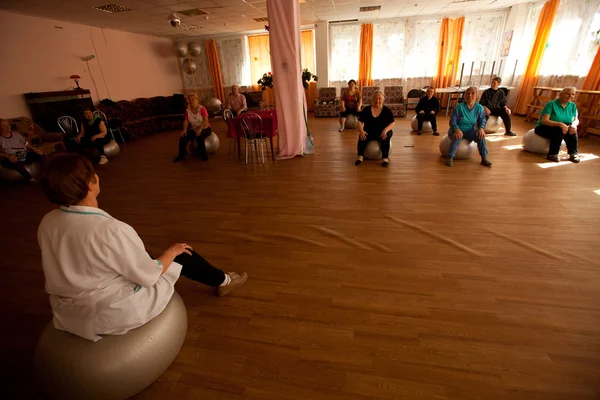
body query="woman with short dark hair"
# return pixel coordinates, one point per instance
(375, 123)
(350, 103)
(93, 135)
(99, 277)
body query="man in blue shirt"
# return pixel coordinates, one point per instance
(468, 121)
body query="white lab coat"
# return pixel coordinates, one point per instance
(99, 277)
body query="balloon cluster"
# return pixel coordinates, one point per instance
(191, 49)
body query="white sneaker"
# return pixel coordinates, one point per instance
(103, 160)
(341, 129)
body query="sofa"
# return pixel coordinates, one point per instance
(367, 94)
(142, 117)
(327, 103)
(49, 142)
(394, 100)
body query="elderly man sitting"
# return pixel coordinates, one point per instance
(237, 101)
(15, 152)
(493, 101)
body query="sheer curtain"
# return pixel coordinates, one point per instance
(344, 52)
(420, 52)
(235, 61)
(481, 41)
(388, 53)
(570, 50)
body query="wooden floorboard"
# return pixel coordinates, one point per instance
(414, 282)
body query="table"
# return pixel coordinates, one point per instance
(269, 128)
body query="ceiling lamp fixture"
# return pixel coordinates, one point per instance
(112, 8)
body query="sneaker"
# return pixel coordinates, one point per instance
(385, 164)
(574, 158)
(341, 129)
(553, 157)
(510, 133)
(178, 158)
(485, 162)
(357, 162)
(237, 280)
(103, 160)
(436, 133)
(32, 180)
(419, 133)
(449, 161)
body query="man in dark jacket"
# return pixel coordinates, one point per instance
(493, 101)
(427, 109)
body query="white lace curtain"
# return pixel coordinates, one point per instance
(234, 60)
(570, 50)
(482, 36)
(344, 44)
(202, 75)
(388, 50)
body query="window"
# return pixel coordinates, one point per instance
(345, 49)
(388, 50)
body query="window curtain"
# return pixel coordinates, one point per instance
(234, 60)
(344, 42)
(388, 50)
(421, 45)
(530, 77)
(307, 52)
(592, 80)
(449, 51)
(366, 56)
(260, 63)
(214, 68)
(482, 36)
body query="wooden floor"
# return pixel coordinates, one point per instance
(414, 282)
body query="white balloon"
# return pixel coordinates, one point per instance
(194, 48)
(189, 66)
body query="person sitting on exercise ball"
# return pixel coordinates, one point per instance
(93, 136)
(493, 101)
(195, 126)
(427, 109)
(100, 279)
(237, 101)
(350, 103)
(16, 152)
(468, 121)
(375, 122)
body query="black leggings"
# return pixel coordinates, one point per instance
(426, 117)
(501, 112)
(20, 165)
(198, 269)
(353, 111)
(554, 133)
(189, 136)
(384, 143)
(98, 144)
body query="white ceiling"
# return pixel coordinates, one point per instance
(150, 17)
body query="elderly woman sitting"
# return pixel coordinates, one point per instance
(468, 121)
(350, 103)
(375, 122)
(558, 121)
(195, 126)
(237, 101)
(93, 135)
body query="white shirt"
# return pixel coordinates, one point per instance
(99, 277)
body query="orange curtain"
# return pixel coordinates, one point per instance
(530, 77)
(366, 56)
(307, 51)
(260, 63)
(214, 67)
(592, 80)
(450, 42)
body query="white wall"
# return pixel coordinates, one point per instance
(322, 53)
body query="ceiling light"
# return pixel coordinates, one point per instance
(371, 8)
(193, 12)
(261, 19)
(189, 27)
(112, 8)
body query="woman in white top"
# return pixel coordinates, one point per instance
(196, 126)
(99, 277)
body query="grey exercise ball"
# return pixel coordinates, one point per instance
(414, 124)
(114, 368)
(213, 106)
(493, 124)
(194, 48)
(12, 176)
(181, 49)
(351, 122)
(189, 66)
(464, 151)
(111, 149)
(373, 150)
(537, 144)
(212, 143)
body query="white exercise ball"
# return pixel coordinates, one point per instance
(493, 124)
(117, 366)
(414, 124)
(195, 49)
(213, 106)
(189, 66)
(180, 49)
(351, 122)
(111, 149)
(464, 151)
(13, 176)
(534, 143)
(373, 150)
(212, 143)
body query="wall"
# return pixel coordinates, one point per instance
(37, 56)
(322, 53)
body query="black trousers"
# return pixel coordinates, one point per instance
(98, 144)
(385, 143)
(189, 136)
(198, 269)
(554, 133)
(353, 111)
(426, 117)
(501, 112)
(20, 165)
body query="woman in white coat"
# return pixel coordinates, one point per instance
(99, 277)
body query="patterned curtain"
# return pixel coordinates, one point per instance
(235, 61)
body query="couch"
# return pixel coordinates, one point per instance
(394, 100)
(142, 117)
(327, 103)
(49, 142)
(367, 94)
